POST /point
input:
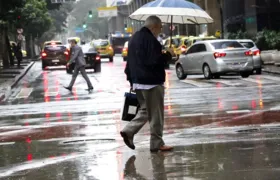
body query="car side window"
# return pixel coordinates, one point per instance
(201, 48)
(192, 50)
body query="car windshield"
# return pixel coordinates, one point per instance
(176, 42)
(226, 45)
(53, 43)
(54, 48)
(247, 44)
(101, 43)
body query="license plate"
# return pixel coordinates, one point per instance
(56, 60)
(235, 66)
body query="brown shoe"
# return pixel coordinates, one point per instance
(127, 140)
(163, 148)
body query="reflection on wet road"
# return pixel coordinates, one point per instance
(222, 128)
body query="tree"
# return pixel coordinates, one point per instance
(8, 12)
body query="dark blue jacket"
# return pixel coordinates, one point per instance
(145, 60)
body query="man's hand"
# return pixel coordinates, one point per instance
(170, 50)
(67, 65)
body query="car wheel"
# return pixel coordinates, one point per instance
(207, 72)
(245, 74)
(216, 76)
(97, 68)
(259, 71)
(111, 59)
(180, 72)
(43, 66)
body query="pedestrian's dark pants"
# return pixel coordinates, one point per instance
(151, 109)
(84, 74)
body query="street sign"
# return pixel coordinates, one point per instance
(79, 30)
(108, 11)
(19, 31)
(20, 37)
(172, 28)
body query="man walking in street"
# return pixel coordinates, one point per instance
(77, 58)
(146, 73)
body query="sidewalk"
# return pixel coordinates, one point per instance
(11, 76)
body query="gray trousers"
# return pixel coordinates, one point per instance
(151, 109)
(84, 74)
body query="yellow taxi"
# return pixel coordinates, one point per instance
(104, 48)
(176, 44)
(125, 51)
(188, 42)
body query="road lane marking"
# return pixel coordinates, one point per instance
(7, 143)
(24, 93)
(191, 115)
(197, 83)
(226, 82)
(258, 81)
(271, 77)
(238, 111)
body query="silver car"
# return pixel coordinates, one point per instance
(214, 58)
(256, 53)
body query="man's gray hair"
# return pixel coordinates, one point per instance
(152, 21)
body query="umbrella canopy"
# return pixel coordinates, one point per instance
(173, 11)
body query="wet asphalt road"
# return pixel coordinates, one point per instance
(221, 129)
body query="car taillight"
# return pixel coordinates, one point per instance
(219, 55)
(257, 53)
(248, 53)
(97, 58)
(183, 48)
(124, 49)
(44, 54)
(110, 47)
(66, 53)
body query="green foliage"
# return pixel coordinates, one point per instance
(268, 39)
(10, 9)
(35, 17)
(239, 35)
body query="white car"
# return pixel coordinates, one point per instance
(214, 58)
(248, 43)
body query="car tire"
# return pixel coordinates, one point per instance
(180, 72)
(97, 68)
(259, 71)
(245, 74)
(111, 59)
(216, 76)
(207, 72)
(43, 66)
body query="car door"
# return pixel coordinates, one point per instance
(188, 59)
(198, 58)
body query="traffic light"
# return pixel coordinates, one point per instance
(84, 25)
(90, 14)
(125, 27)
(18, 17)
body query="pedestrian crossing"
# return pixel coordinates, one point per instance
(232, 81)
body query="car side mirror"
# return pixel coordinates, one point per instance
(83, 43)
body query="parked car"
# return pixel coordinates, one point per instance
(214, 58)
(248, 43)
(93, 60)
(104, 48)
(54, 55)
(125, 51)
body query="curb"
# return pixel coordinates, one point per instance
(19, 77)
(271, 72)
